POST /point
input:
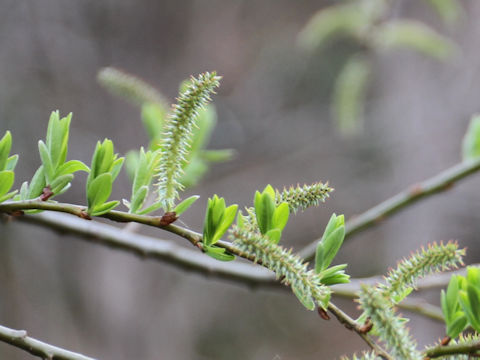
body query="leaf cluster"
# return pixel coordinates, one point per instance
(218, 219)
(106, 166)
(327, 249)
(461, 302)
(7, 167)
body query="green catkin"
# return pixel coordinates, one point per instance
(390, 327)
(303, 197)
(434, 258)
(178, 133)
(287, 266)
(129, 87)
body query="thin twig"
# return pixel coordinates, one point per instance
(470, 348)
(438, 183)
(20, 339)
(351, 324)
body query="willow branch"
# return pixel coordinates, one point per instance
(20, 339)
(159, 249)
(190, 260)
(351, 324)
(470, 348)
(439, 183)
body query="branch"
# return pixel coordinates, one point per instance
(152, 248)
(20, 339)
(414, 193)
(351, 324)
(470, 348)
(190, 260)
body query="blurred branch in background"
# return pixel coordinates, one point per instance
(21, 340)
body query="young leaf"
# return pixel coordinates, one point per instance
(11, 162)
(331, 242)
(416, 36)
(47, 162)
(185, 204)
(104, 208)
(264, 208)
(6, 181)
(5, 146)
(224, 224)
(274, 235)
(153, 117)
(471, 140)
(280, 216)
(218, 253)
(60, 183)
(151, 208)
(99, 190)
(217, 155)
(138, 199)
(37, 184)
(349, 95)
(304, 297)
(71, 167)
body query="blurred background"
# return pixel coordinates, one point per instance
(275, 109)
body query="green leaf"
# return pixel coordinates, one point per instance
(240, 220)
(208, 226)
(60, 183)
(104, 208)
(469, 300)
(11, 162)
(151, 208)
(280, 216)
(348, 20)
(6, 181)
(131, 163)
(8, 196)
(457, 325)
(5, 146)
(37, 184)
(138, 199)
(274, 235)
(449, 299)
(471, 140)
(217, 155)
(185, 204)
(71, 167)
(193, 172)
(305, 298)
(57, 138)
(414, 35)
(331, 242)
(264, 209)
(98, 191)
(473, 276)
(334, 275)
(227, 220)
(218, 210)
(218, 253)
(153, 115)
(116, 167)
(46, 161)
(449, 10)
(349, 95)
(206, 121)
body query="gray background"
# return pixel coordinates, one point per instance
(273, 109)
